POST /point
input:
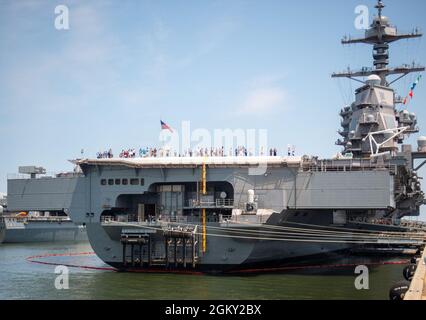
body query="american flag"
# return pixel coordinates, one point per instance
(164, 126)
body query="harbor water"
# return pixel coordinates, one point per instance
(22, 278)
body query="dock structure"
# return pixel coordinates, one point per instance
(417, 289)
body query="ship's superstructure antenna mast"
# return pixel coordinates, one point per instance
(380, 34)
(372, 126)
(379, 6)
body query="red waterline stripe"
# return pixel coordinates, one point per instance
(32, 260)
(61, 255)
(334, 266)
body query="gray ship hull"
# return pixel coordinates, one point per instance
(293, 257)
(225, 255)
(37, 231)
(132, 226)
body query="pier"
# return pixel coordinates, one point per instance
(417, 289)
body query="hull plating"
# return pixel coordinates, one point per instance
(49, 232)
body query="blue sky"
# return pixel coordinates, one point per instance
(124, 65)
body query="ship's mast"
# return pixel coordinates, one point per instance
(372, 126)
(380, 34)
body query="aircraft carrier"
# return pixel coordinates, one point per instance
(241, 214)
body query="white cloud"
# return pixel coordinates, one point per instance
(265, 95)
(263, 100)
(267, 80)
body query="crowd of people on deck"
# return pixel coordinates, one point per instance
(129, 153)
(240, 151)
(291, 151)
(105, 154)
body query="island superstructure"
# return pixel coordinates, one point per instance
(239, 214)
(372, 124)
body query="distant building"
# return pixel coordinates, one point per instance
(3, 199)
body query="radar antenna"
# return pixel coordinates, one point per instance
(380, 34)
(371, 125)
(379, 6)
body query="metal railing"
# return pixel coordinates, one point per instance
(25, 219)
(120, 218)
(161, 218)
(48, 175)
(346, 165)
(189, 219)
(413, 224)
(218, 203)
(376, 221)
(389, 222)
(224, 202)
(246, 218)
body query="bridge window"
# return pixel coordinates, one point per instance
(110, 182)
(103, 182)
(117, 181)
(142, 182)
(134, 182)
(124, 182)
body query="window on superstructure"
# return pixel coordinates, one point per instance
(124, 182)
(103, 182)
(134, 182)
(110, 182)
(117, 182)
(142, 182)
